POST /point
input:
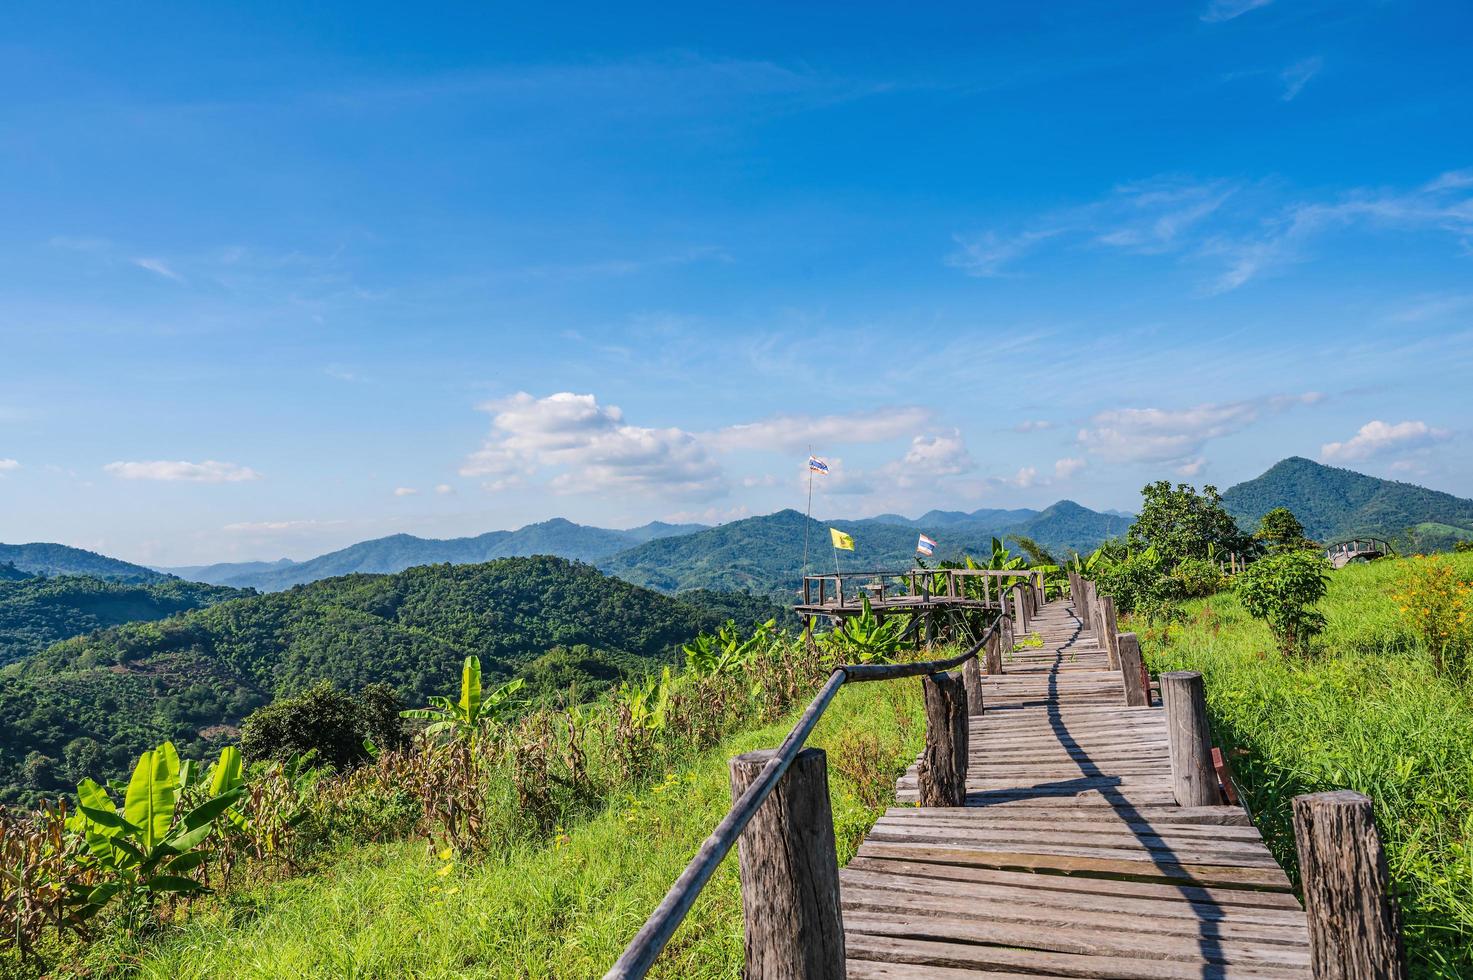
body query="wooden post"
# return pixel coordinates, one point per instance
(1081, 604)
(1112, 641)
(1193, 777)
(972, 675)
(994, 653)
(790, 873)
(1005, 640)
(1354, 927)
(943, 770)
(1133, 671)
(1020, 607)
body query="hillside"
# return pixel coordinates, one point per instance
(36, 612)
(1335, 503)
(9, 573)
(397, 552)
(40, 558)
(91, 703)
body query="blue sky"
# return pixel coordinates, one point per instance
(282, 277)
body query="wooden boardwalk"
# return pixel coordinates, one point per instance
(1071, 857)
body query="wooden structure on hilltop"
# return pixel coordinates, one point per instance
(1343, 553)
(1068, 823)
(939, 599)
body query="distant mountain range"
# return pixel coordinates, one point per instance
(1334, 504)
(58, 559)
(400, 551)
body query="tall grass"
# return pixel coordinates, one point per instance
(1368, 712)
(563, 908)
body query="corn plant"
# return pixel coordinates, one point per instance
(147, 850)
(467, 718)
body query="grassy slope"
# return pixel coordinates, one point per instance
(563, 910)
(1371, 715)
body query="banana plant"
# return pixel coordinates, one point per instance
(475, 711)
(648, 701)
(147, 849)
(726, 652)
(867, 637)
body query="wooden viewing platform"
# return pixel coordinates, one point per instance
(1062, 821)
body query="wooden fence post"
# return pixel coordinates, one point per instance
(1133, 671)
(942, 776)
(1082, 604)
(994, 652)
(790, 873)
(1020, 606)
(1111, 638)
(1193, 777)
(1354, 927)
(1005, 640)
(972, 676)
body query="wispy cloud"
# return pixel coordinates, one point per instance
(1156, 435)
(405, 492)
(210, 471)
(277, 527)
(1221, 10)
(9, 466)
(1033, 425)
(1068, 466)
(159, 268)
(986, 255)
(1297, 75)
(1377, 438)
(794, 433)
(444, 489)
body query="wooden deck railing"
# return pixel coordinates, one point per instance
(776, 916)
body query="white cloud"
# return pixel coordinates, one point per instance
(444, 488)
(1221, 10)
(944, 454)
(1191, 467)
(840, 480)
(1067, 467)
(1297, 75)
(9, 465)
(794, 433)
(986, 254)
(1155, 435)
(1033, 425)
(343, 373)
(210, 471)
(276, 527)
(1027, 476)
(159, 268)
(405, 491)
(1376, 438)
(590, 448)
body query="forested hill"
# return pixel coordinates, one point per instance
(92, 703)
(765, 554)
(9, 573)
(397, 552)
(59, 559)
(1335, 503)
(36, 612)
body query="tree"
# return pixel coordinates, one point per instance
(336, 724)
(1281, 589)
(1181, 523)
(1279, 531)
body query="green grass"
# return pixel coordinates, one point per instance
(563, 909)
(1368, 713)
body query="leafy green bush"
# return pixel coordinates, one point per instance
(1136, 582)
(1279, 530)
(1197, 578)
(1281, 589)
(334, 724)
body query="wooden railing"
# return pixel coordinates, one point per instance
(1354, 924)
(1360, 546)
(936, 583)
(787, 838)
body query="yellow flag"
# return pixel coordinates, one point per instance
(842, 541)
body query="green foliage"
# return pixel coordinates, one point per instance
(148, 849)
(726, 652)
(1280, 590)
(325, 720)
(1438, 605)
(1463, 545)
(58, 559)
(1196, 578)
(866, 638)
(1180, 523)
(36, 612)
(1372, 713)
(192, 678)
(1279, 531)
(469, 717)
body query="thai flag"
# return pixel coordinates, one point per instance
(818, 466)
(925, 546)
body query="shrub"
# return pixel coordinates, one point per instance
(1136, 581)
(1198, 578)
(1279, 530)
(1280, 589)
(1436, 605)
(323, 718)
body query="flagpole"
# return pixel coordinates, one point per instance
(808, 514)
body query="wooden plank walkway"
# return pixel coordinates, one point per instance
(1071, 857)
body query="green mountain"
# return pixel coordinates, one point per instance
(9, 573)
(88, 704)
(1334, 503)
(765, 554)
(397, 552)
(59, 559)
(36, 612)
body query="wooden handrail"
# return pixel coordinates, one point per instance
(648, 943)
